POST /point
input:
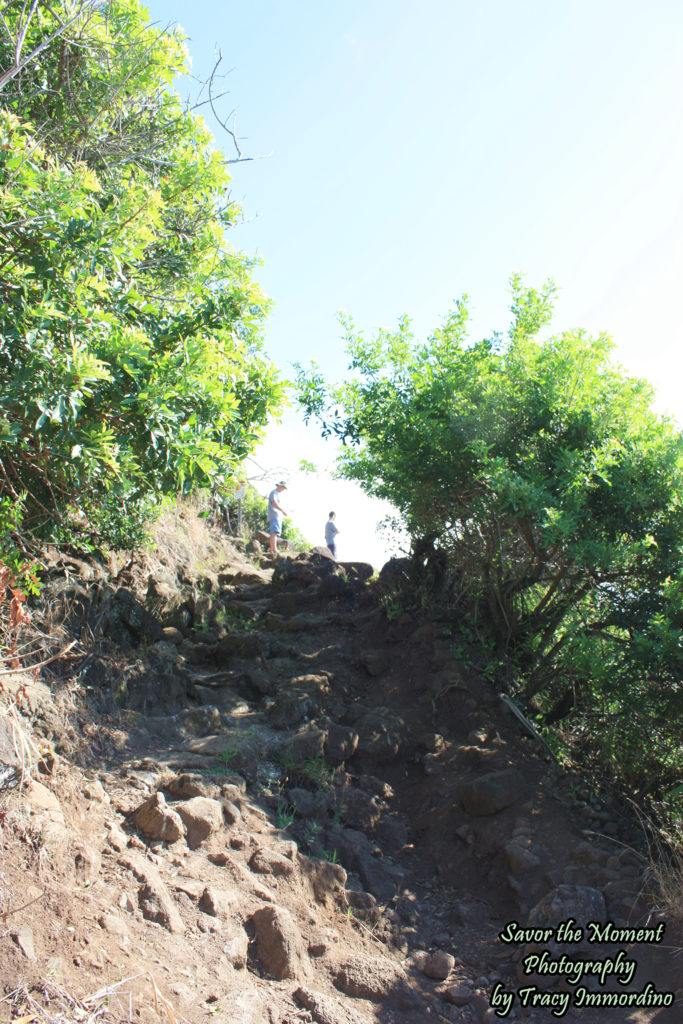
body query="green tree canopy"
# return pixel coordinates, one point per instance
(131, 360)
(541, 472)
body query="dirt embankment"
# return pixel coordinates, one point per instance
(258, 799)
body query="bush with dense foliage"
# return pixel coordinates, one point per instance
(131, 362)
(541, 474)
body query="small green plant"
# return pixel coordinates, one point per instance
(393, 608)
(311, 832)
(311, 773)
(285, 815)
(318, 772)
(331, 856)
(227, 756)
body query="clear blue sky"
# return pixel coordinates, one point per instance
(420, 151)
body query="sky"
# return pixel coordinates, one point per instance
(405, 154)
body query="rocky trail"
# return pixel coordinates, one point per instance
(265, 799)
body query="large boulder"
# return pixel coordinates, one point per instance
(279, 945)
(309, 567)
(375, 978)
(139, 620)
(201, 816)
(157, 820)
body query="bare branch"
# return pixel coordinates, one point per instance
(231, 130)
(20, 62)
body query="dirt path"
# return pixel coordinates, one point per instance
(306, 812)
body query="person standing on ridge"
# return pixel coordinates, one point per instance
(331, 532)
(276, 514)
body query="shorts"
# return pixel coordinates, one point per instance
(275, 527)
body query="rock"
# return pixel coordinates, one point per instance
(23, 936)
(327, 880)
(308, 804)
(266, 861)
(188, 785)
(355, 853)
(433, 742)
(476, 737)
(154, 898)
(126, 903)
(356, 571)
(306, 744)
(341, 743)
(231, 812)
(380, 734)
(334, 588)
(459, 995)
(172, 635)
(392, 832)
(207, 637)
(375, 661)
(518, 859)
(42, 799)
(243, 645)
(157, 820)
(394, 575)
(246, 610)
(301, 699)
(235, 944)
(279, 945)
(87, 860)
(136, 617)
(157, 905)
(309, 567)
(363, 904)
(199, 721)
(326, 1010)
(113, 924)
(374, 978)
(262, 680)
(362, 810)
(92, 789)
(201, 816)
(217, 903)
(438, 965)
(487, 794)
(165, 650)
(582, 903)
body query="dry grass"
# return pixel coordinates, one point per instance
(666, 873)
(113, 1004)
(181, 538)
(25, 750)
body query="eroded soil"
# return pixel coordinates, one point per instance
(269, 802)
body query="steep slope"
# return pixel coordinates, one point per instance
(300, 811)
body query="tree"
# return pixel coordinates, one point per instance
(541, 473)
(131, 356)
(16, 23)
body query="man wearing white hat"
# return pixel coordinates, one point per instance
(276, 514)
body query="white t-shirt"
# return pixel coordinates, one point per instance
(274, 514)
